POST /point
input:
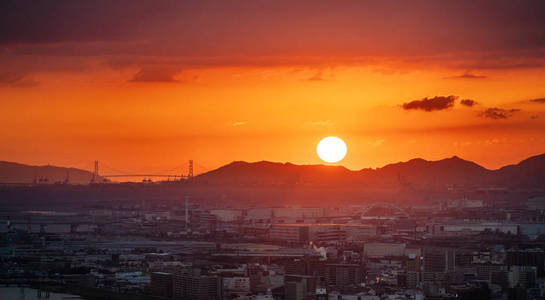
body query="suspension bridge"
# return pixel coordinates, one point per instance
(185, 171)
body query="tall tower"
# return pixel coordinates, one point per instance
(95, 172)
(190, 171)
(96, 169)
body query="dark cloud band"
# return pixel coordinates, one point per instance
(431, 104)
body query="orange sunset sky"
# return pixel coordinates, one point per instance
(147, 85)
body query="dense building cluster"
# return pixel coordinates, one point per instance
(455, 249)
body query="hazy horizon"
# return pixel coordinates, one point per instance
(204, 169)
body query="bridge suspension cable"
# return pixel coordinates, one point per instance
(165, 173)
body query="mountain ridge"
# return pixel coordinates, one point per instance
(416, 172)
(12, 172)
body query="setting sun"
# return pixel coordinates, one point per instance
(331, 149)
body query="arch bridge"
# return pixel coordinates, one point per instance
(384, 205)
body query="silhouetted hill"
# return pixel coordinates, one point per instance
(528, 173)
(420, 172)
(417, 172)
(244, 184)
(273, 173)
(19, 173)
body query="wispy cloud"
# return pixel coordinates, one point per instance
(16, 80)
(468, 102)
(237, 123)
(319, 123)
(376, 143)
(318, 76)
(496, 113)
(155, 75)
(322, 74)
(466, 75)
(537, 100)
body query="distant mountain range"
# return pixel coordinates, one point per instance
(415, 173)
(11, 172)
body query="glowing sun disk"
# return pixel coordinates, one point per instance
(331, 149)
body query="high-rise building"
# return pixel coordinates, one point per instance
(291, 233)
(438, 260)
(189, 284)
(309, 281)
(413, 264)
(327, 234)
(523, 276)
(342, 275)
(413, 279)
(296, 266)
(485, 271)
(295, 290)
(321, 294)
(401, 279)
(378, 249)
(161, 284)
(530, 258)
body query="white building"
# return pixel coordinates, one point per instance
(227, 215)
(299, 212)
(157, 216)
(237, 284)
(304, 232)
(132, 278)
(259, 214)
(291, 233)
(465, 203)
(461, 228)
(522, 275)
(359, 231)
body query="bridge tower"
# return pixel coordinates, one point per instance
(95, 172)
(190, 171)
